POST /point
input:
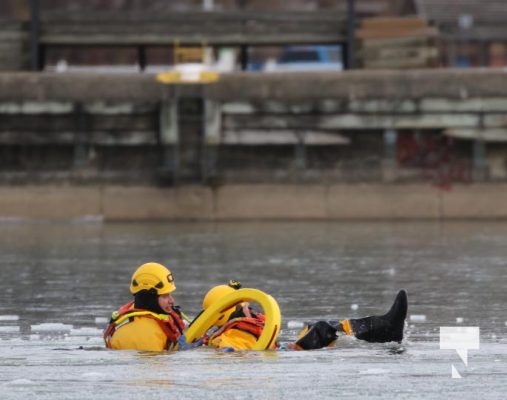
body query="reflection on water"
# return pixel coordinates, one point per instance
(60, 282)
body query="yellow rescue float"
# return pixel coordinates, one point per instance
(207, 319)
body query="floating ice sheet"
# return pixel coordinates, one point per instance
(9, 317)
(9, 329)
(295, 324)
(51, 327)
(418, 318)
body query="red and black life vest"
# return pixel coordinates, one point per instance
(251, 325)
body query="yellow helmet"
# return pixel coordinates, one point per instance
(217, 293)
(152, 276)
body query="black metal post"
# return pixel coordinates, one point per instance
(35, 58)
(141, 55)
(243, 57)
(351, 27)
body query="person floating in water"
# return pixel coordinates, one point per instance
(239, 327)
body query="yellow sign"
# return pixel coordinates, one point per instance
(172, 77)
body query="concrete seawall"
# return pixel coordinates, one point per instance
(351, 127)
(75, 146)
(255, 202)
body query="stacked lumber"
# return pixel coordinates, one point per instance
(397, 42)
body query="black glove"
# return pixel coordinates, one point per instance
(320, 334)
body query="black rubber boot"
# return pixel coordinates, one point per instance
(383, 328)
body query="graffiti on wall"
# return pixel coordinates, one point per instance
(435, 157)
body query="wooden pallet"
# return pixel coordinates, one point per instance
(401, 42)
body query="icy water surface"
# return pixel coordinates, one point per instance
(60, 282)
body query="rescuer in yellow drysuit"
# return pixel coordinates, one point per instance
(151, 321)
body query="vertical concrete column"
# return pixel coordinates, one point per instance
(389, 162)
(169, 137)
(480, 160)
(81, 141)
(300, 151)
(212, 138)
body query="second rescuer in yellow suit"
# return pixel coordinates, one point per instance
(240, 327)
(237, 328)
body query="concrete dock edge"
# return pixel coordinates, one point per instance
(255, 202)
